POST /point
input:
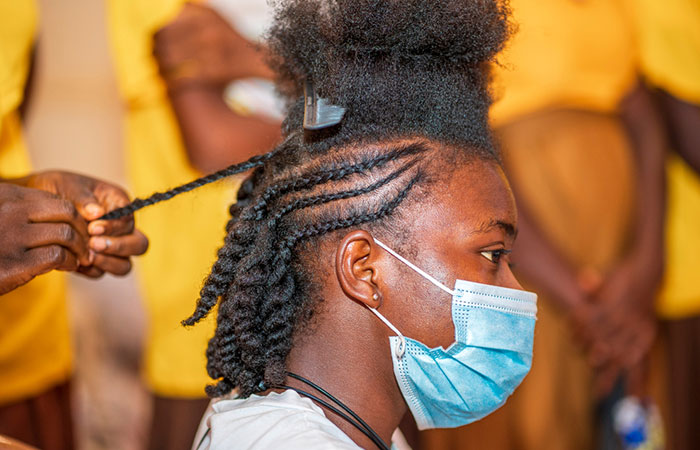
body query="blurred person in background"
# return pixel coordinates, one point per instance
(669, 51)
(48, 222)
(174, 63)
(584, 147)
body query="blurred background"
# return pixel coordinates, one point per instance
(598, 115)
(75, 121)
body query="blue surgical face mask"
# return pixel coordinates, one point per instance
(492, 353)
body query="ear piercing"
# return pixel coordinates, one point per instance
(375, 296)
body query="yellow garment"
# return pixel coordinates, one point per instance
(184, 232)
(35, 351)
(680, 293)
(565, 54)
(669, 42)
(18, 22)
(669, 45)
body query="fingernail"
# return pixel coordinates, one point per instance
(96, 228)
(91, 256)
(98, 244)
(94, 210)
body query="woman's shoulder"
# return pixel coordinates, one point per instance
(277, 420)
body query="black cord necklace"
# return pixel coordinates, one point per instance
(355, 420)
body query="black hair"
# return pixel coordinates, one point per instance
(413, 78)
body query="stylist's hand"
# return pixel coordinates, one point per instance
(39, 232)
(200, 47)
(113, 242)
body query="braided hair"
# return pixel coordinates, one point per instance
(413, 78)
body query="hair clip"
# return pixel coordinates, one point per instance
(318, 112)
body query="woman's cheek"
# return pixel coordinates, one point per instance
(437, 328)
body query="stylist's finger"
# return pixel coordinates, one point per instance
(54, 209)
(112, 197)
(34, 262)
(112, 264)
(124, 246)
(63, 234)
(51, 257)
(116, 227)
(57, 210)
(85, 202)
(91, 271)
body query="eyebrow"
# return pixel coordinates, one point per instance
(507, 227)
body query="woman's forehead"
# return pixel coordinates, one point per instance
(475, 198)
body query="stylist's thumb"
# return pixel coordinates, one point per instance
(87, 204)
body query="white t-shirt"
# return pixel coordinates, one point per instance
(275, 421)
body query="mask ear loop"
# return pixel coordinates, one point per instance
(401, 345)
(414, 267)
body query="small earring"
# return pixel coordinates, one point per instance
(375, 296)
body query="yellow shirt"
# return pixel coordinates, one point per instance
(669, 43)
(184, 232)
(680, 292)
(35, 350)
(591, 64)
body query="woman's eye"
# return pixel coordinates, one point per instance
(494, 255)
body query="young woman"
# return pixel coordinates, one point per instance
(366, 273)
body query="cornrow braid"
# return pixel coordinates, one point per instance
(302, 203)
(335, 173)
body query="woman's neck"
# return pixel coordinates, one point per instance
(355, 368)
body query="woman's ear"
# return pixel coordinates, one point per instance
(356, 268)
